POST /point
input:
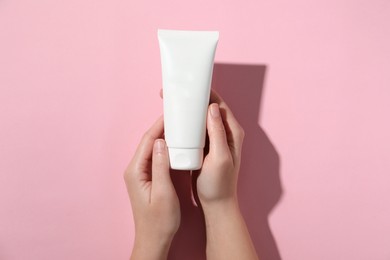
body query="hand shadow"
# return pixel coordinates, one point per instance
(189, 242)
(259, 187)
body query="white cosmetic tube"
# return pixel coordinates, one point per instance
(187, 60)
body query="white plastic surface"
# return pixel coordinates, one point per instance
(185, 159)
(187, 60)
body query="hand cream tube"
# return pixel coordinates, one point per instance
(187, 59)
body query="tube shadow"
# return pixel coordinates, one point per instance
(259, 187)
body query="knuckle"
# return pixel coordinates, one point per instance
(219, 127)
(128, 173)
(126, 176)
(224, 160)
(240, 132)
(146, 135)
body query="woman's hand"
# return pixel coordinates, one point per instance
(217, 181)
(153, 198)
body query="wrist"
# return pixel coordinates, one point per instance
(221, 209)
(153, 236)
(151, 245)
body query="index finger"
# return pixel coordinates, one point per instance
(234, 131)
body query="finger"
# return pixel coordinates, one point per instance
(143, 155)
(234, 131)
(216, 98)
(161, 179)
(161, 93)
(217, 135)
(227, 114)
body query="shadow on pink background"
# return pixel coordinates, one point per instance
(259, 187)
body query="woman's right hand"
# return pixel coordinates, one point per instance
(226, 230)
(217, 180)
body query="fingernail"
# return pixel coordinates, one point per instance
(159, 146)
(215, 111)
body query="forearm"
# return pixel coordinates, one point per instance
(227, 234)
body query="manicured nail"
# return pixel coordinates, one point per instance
(159, 146)
(215, 111)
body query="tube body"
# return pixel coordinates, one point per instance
(187, 60)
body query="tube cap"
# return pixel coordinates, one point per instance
(185, 159)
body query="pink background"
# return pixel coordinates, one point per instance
(309, 80)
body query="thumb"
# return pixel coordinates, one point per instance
(161, 179)
(217, 133)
